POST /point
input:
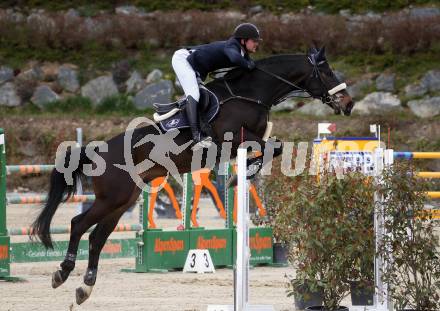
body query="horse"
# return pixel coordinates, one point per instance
(246, 98)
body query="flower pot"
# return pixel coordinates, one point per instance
(362, 293)
(280, 252)
(304, 297)
(322, 308)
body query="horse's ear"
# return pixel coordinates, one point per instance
(321, 54)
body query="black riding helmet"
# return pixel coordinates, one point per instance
(247, 31)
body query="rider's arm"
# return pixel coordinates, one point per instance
(233, 51)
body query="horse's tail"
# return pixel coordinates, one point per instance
(59, 191)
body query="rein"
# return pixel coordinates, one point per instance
(257, 101)
(326, 97)
(233, 96)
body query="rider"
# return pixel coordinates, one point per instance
(198, 61)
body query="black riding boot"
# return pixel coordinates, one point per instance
(199, 140)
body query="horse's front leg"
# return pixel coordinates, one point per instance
(272, 149)
(263, 153)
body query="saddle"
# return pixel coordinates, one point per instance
(172, 116)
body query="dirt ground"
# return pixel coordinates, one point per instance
(116, 290)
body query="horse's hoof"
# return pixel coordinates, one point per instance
(57, 279)
(83, 293)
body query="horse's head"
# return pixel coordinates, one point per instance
(323, 84)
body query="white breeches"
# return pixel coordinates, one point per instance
(185, 73)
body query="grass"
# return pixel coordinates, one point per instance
(120, 104)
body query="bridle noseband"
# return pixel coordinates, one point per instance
(329, 97)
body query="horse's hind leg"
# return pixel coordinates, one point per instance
(78, 228)
(97, 240)
(79, 225)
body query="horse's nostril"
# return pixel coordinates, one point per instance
(348, 108)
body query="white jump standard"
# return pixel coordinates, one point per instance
(241, 269)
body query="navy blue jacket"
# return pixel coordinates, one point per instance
(216, 55)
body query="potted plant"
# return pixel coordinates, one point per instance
(328, 232)
(362, 288)
(305, 293)
(362, 285)
(409, 249)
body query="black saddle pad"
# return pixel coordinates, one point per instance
(208, 108)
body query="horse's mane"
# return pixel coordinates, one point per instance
(276, 59)
(239, 72)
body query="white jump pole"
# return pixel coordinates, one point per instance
(241, 270)
(383, 159)
(241, 301)
(243, 251)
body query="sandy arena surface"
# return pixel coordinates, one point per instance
(116, 290)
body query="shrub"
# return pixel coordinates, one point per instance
(397, 32)
(409, 248)
(331, 231)
(273, 5)
(277, 189)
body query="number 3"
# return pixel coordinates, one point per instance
(193, 262)
(206, 260)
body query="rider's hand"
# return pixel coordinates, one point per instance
(251, 64)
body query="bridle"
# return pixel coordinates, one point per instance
(329, 96)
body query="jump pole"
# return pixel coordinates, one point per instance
(385, 159)
(241, 273)
(5, 241)
(4, 237)
(381, 301)
(241, 268)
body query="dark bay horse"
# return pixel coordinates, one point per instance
(247, 98)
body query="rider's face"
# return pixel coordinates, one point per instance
(251, 45)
